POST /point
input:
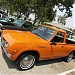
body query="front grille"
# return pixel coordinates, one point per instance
(3, 42)
(4, 48)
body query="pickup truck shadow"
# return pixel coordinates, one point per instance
(50, 61)
(11, 64)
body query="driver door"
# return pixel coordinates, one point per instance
(57, 49)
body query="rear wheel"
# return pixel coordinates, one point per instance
(69, 57)
(26, 61)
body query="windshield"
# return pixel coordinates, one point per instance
(19, 22)
(44, 32)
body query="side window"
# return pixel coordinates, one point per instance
(60, 34)
(58, 38)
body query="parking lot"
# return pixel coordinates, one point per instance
(48, 67)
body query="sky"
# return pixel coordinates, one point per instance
(70, 23)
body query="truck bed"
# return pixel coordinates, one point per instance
(70, 41)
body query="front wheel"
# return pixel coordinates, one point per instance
(26, 61)
(69, 57)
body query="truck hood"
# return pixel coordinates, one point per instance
(15, 36)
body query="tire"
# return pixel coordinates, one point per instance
(28, 58)
(69, 57)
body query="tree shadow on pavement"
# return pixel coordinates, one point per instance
(10, 64)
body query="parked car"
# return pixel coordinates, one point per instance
(43, 43)
(7, 21)
(18, 25)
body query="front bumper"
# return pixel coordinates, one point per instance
(7, 54)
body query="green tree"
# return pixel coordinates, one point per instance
(43, 9)
(74, 31)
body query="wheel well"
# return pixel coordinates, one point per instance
(74, 53)
(34, 52)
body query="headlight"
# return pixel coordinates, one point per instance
(6, 45)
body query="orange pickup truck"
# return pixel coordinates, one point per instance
(43, 43)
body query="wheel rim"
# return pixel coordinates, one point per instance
(27, 62)
(70, 57)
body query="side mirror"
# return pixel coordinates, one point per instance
(53, 43)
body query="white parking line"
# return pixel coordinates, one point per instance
(66, 72)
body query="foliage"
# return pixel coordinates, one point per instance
(43, 9)
(74, 31)
(62, 20)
